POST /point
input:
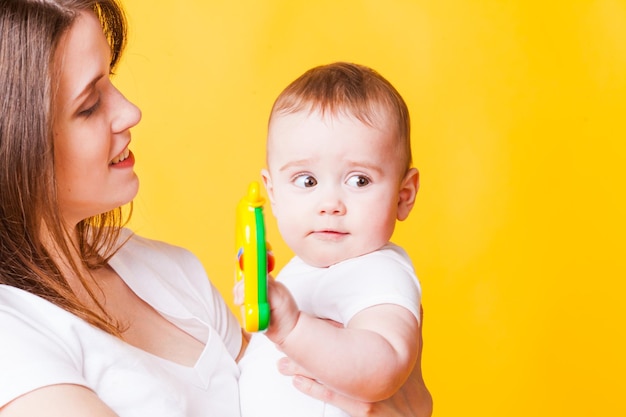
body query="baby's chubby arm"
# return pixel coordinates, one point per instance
(368, 360)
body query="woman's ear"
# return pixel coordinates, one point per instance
(408, 191)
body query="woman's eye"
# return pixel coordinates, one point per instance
(305, 181)
(358, 181)
(89, 111)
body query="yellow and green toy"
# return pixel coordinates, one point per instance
(254, 259)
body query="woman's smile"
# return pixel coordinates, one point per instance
(123, 156)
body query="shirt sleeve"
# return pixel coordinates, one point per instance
(383, 277)
(226, 324)
(178, 286)
(32, 356)
(218, 314)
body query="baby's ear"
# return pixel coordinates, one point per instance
(408, 190)
(269, 188)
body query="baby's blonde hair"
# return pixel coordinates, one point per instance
(343, 88)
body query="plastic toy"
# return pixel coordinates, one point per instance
(254, 260)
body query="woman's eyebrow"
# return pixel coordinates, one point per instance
(87, 89)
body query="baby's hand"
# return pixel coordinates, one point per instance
(238, 293)
(284, 312)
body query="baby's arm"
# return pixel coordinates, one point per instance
(412, 400)
(369, 359)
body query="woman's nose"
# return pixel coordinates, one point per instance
(128, 114)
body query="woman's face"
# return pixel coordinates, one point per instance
(91, 127)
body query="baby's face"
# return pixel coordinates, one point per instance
(334, 184)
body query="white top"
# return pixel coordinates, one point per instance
(338, 293)
(42, 344)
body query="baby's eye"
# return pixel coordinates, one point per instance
(358, 181)
(305, 181)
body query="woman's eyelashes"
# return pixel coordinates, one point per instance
(91, 109)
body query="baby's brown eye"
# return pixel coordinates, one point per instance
(358, 181)
(305, 181)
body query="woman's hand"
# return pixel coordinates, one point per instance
(412, 400)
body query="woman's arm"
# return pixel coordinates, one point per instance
(61, 400)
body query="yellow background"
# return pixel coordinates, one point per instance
(518, 131)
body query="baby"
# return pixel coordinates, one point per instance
(338, 177)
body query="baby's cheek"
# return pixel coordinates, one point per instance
(379, 233)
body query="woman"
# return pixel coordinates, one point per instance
(97, 321)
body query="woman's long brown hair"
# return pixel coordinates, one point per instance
(30, 223)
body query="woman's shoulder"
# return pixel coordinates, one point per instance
(138, 244)
(142, 253)
(20, 309)
(43, 346)
(17, 302)
(169, 277)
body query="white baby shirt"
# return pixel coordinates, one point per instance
(338, 293)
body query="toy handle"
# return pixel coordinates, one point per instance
(254, 259)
